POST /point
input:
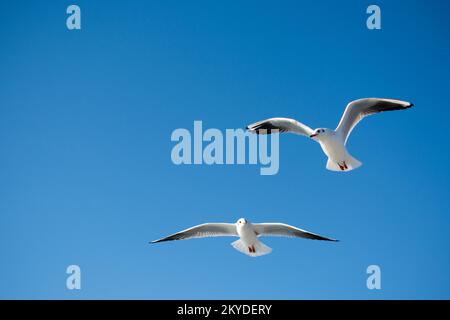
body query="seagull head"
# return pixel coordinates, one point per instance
(241, 222)
(319, 133)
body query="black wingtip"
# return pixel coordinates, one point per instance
(411, 105)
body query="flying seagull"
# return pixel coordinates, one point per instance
(247, 232)
(333, 142)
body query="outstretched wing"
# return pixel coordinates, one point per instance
(285, 230)
(202, 231)
(280, 125)
(358, 109)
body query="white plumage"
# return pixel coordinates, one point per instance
(247, 232)
(333, 142)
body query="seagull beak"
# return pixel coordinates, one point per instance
(313, 135)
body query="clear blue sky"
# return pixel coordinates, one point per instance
(85, 169)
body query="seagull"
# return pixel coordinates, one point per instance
(247, 232)
(333, 142)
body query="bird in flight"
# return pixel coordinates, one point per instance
(248, 233)
(333, 142)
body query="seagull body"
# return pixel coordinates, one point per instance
(247, 232)
(333, 142)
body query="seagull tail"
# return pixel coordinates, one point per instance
(352, 163)
(255, 250)
(348, 164)
(332, 166)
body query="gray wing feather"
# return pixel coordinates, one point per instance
(358, 109)
(202, 231)
(272, 125)
(285, 230)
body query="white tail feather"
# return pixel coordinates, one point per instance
(350, 162)
(260, 248)
(333, 166)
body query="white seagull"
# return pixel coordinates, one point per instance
(333, 141)
(247, 232)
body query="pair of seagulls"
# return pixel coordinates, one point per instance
(333, 143)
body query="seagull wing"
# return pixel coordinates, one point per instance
(358, 109)
(285, 230)
(202, 231)
(280, 125)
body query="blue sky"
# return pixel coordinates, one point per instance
(85, 169)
